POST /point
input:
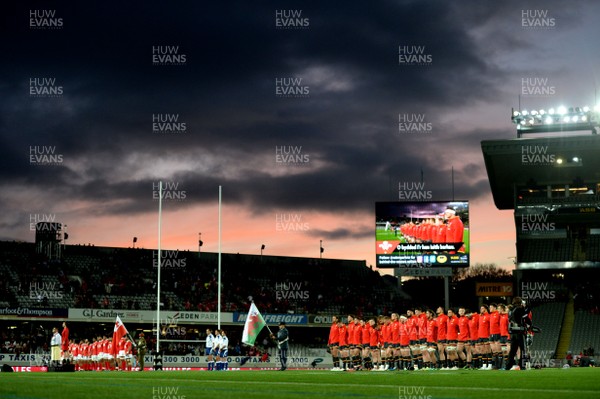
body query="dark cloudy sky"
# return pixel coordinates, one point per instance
(223, 85)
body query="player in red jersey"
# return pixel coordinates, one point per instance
(350, 328)
(413, 334)
(79, 347)
(504, 333)
(88, 355)
(374, 344)
(495, 337)
(106, 348)
(355, 340)
(129, 355)
(70, 349)
(351, 342)
(110, 357)
(334, 343)
(94, 354)
(464, 338)
(452, 340)
(427, 231)
(358, 345)
(64, 343)
(430, 231)
(100, 353)
(474, 337)
(394, 341)
(421, 324)
(455, 229)
(409, 232)
(343, 340)
(439, 231)
(366, 345)
(380, 323)
(124, 354)
(388, 351)
(431, 339)
(74, 351)
(121, 359)
(406, 363)
(83, 354)
(484, 338)
(422, 335)
(417, 232)
(442, 328)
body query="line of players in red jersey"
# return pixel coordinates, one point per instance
(423, 340)
(99, 355)
(434, 230)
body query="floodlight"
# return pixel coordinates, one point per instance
(557, 119)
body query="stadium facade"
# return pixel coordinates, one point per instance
(552, 184)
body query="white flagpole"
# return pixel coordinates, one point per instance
(219, 269)
(160, 195)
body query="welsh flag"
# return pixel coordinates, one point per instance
(119, 332)
(254, 323)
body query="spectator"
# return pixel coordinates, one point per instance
(569, 359)
(55, 345)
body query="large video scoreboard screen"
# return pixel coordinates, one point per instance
(422, 234)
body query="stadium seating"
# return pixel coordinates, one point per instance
(586, 199)
(99, 277)
(548, 317)
(125, 278)
(546, 250)
(585, 331)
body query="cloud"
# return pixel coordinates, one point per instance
(347, 127)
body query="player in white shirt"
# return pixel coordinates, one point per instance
(223, 352)
(210, 340)
(216, 349)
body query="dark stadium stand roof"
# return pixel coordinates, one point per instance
(507, 168)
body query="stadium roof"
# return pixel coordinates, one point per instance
(518, 163)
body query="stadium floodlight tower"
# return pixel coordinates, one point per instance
(552, 183)
(561, 119)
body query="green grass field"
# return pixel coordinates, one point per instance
(575, 383)
(387, 235)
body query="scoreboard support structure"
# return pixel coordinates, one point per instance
(445, 272)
